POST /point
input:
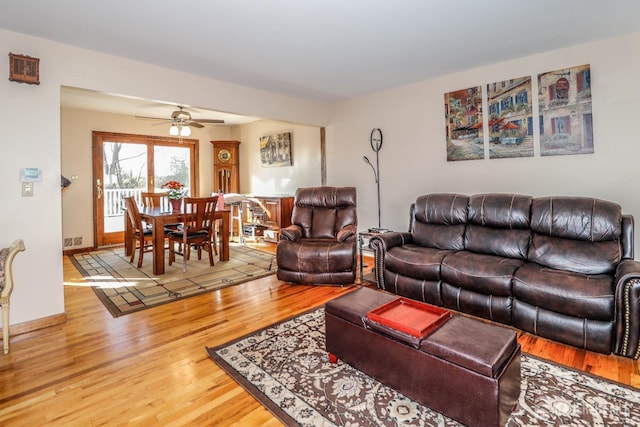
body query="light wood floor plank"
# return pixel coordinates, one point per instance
(151, 368)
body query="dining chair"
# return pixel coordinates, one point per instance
(6, 286)
(142, 236)
(154, 200)
(158, 200)
(197, 229)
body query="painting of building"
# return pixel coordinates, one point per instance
(510, 118)
(275, 150)
(566, 123)
(463, 114)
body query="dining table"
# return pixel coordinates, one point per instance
(158, 218)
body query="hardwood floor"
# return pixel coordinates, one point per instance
(151, 368)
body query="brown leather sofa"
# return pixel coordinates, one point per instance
(319, 247)
(558, 267)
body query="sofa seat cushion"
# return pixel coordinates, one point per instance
(416, 261)
(566, 292)
(316, 256)
(486, 274)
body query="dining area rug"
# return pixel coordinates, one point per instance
(123, 289)
(286, 368)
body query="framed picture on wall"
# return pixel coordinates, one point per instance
(463, 124)
(275, 150)
(510, 118)
(566, 122)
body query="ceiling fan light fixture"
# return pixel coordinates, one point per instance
(173, 130)
(185, 131)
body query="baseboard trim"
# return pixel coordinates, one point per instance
(34, 325)
(69, 252)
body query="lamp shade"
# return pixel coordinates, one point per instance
(185, 131)
(173, 130)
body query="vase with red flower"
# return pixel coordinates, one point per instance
(175, 194)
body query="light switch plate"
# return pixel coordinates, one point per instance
(27, 189)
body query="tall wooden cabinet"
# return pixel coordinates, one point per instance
(226, 166)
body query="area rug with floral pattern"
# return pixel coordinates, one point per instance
(286, 368)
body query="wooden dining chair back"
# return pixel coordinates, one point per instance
(197, 229)
(155, 200)
(142, 236)
(158, 200)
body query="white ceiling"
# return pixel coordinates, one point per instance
(325, 50)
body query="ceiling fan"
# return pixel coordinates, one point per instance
(181, 121)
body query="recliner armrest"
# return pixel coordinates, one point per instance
(347, 233)
(292, 232)
(627, 300)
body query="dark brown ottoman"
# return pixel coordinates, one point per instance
(466, 369)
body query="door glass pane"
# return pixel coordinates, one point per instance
(171, 164)
(125, 174)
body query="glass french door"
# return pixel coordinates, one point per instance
(127, 165)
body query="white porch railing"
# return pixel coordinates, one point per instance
(113, 200)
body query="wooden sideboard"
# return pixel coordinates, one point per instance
(279, 210)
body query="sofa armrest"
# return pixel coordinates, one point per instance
(292, 232)
(381, 243)
(627, 340)
(347, 233)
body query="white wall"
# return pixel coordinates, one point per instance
(30, 119)
(413, 158)
(305, 154)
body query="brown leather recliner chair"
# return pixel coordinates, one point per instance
(320, 245)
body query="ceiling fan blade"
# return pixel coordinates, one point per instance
(194, 124)
(213, 121)
(150, 118)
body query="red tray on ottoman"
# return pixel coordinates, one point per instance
(465, 369)
(412, 317)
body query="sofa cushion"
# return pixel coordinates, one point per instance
(581, 218)
(439, 220)
(593, 335)
(415, 261)
(577, 256)
(485, 274)
(322, 211)
(442, 208)
(315, 256)
(561, 291)
(578, 234)
(450, 237)
(496, 241)
(498, 224)
(499, 210)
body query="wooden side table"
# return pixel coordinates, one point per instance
(364, 238)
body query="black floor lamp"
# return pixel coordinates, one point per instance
(376, 145)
